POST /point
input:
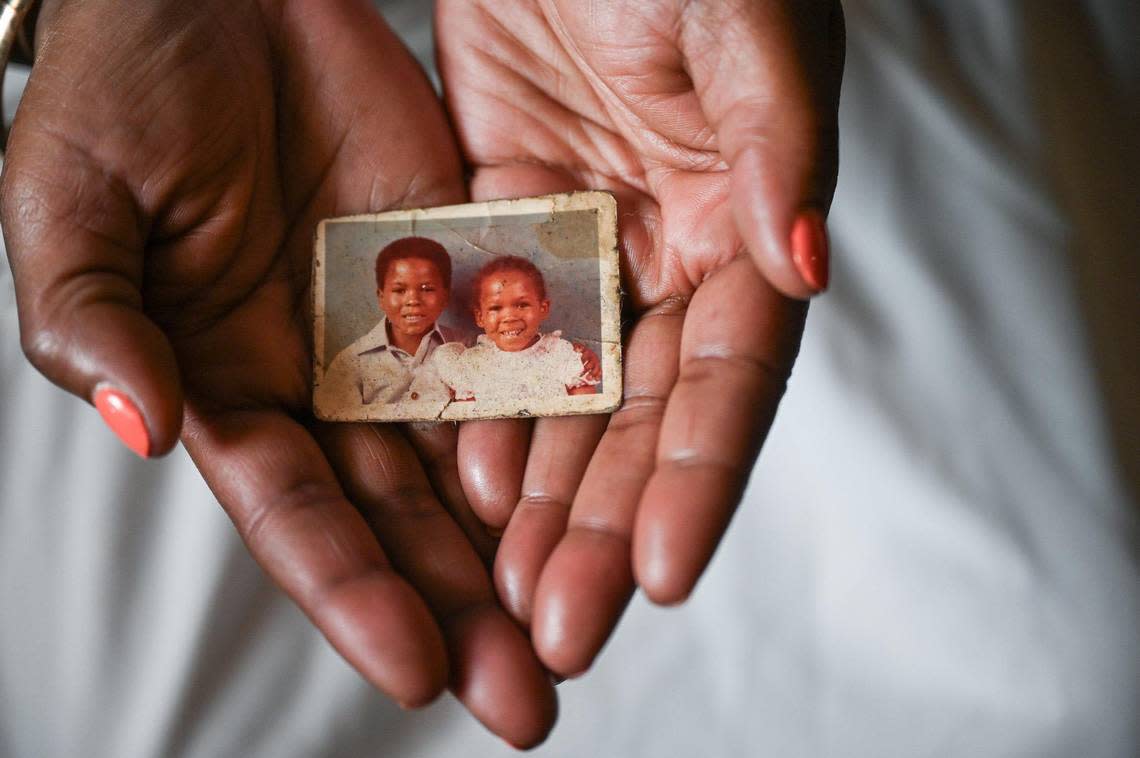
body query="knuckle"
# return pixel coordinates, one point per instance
(713, 368)
(41, 345)
(264, 521)
(543, 501)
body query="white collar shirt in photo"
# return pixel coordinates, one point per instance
(484, 372)
(372, 370)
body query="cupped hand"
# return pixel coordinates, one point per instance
(714, 124)
(166, 170)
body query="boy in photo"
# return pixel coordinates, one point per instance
(413, 286)
(512, 360)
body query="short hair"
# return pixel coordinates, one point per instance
(413, 247)
(503, 264)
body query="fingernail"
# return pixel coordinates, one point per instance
(124, 419)
(810, 248)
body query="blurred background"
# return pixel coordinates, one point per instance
(937, 554)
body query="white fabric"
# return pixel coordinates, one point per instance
(486, 373)
(937, 555)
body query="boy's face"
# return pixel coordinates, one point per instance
(510, 310)
(413, 296)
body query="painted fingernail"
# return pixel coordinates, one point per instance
(810, 248)
(124, 419)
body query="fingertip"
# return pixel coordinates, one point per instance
(383, 629)
(492, 457)
(810, 248)
(659, 582)
(148, 429)
(678, 530)
(498, 678)
(122, 415)
(113, 356)
(786, 236)
(655, 570)
(514, 586)
(582, 593)
(532, 535)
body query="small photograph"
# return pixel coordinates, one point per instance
(501, 309)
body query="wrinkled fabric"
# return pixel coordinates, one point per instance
(937, 553)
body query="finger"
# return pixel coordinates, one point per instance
(75, 242)
(494, 672)
(771, 93)
(587, 580)
(739, 342)
(492, 460)
(277, 487)
(436, 446)
(560, 450)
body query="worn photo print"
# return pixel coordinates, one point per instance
(488, 310)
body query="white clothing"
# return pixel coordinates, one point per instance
(484, 372)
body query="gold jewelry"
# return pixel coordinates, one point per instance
(12, 15)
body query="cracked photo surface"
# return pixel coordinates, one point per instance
(508, 308)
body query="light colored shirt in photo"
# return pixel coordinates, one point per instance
(372, 370)
(548, 368)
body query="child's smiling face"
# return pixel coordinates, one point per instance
(511, 310)
(413, 298)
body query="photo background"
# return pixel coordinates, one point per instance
(563, 245)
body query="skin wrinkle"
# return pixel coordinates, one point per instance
(632, 125)
(540, 501)
(301, 209)
(646, 409)
(584, 99)
(303, 499)
(180, 260)
(207, 316)
(412, 497)
(527, 69)
(22, 200)
(155, 271)
(596, 527)
(624, 169)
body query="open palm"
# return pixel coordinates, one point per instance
(159, 201)
(714, 125)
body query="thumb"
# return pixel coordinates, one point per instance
(770, 88)
(75, 243)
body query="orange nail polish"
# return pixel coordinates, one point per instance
(124, 419)
(810, 249)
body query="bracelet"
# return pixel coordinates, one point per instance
(12, 16)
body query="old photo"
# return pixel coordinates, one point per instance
(487, 310)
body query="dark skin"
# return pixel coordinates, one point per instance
(713, 122)
(411, 286)
(167, 167)
(161, 243)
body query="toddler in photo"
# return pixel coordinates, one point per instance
(512, 359)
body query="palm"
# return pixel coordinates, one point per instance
(192, 184)
(626, 96)
(599, 112)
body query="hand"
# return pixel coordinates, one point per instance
(591, 366)
(166, 171)
(714, 123)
